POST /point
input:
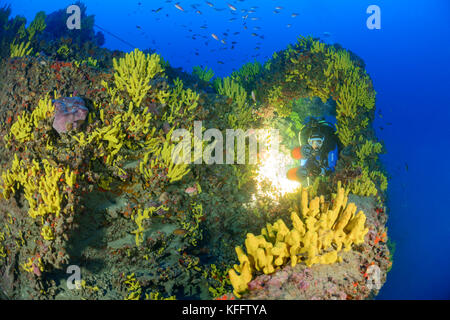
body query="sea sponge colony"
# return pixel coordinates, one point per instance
(22, 129)
(315, 238)
(134, 72)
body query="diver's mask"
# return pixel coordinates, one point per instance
(316, 142)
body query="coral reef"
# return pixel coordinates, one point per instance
(316, 238)
(88, 180)
(348, 279)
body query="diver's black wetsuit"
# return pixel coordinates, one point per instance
(321, 161)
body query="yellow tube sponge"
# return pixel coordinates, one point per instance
(22, 129)
(20, 50)
(47, 233)
(139, 218)
(40, 187)
(134, 72)
(363, 185)
(181, 102)
(48, 190)
(37, 25)
(317, 237)
(240, 282)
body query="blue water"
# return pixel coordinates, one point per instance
(408, 59)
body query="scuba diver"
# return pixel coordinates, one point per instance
(317, 153)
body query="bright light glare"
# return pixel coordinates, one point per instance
(273, 167)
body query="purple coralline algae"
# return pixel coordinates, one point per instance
(70, 112)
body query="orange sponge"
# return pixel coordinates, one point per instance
(292, 174)
(296, 153)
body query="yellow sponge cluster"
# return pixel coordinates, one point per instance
(181, 103)
(139, 218)
(41, 190)
(23, 128)
(20, 50)
(134, 72)
(363, 185)
(316, 238)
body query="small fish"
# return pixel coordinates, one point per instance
(256, 28)
(138, 27)
(179, 7)
(276, 11)
(209, 4)
(215, 37)
(255, 18)
(198, 12)
(236, 33)
(232, 19)
(225, 34)
(288, 25)
(220, 62)
(157, 10)
(326, 34)
(231, 7)
(278, 8)
(294, 15)
(223, 41)
(245, 17)
(253, 96)
(254, 34)
(203, 27)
